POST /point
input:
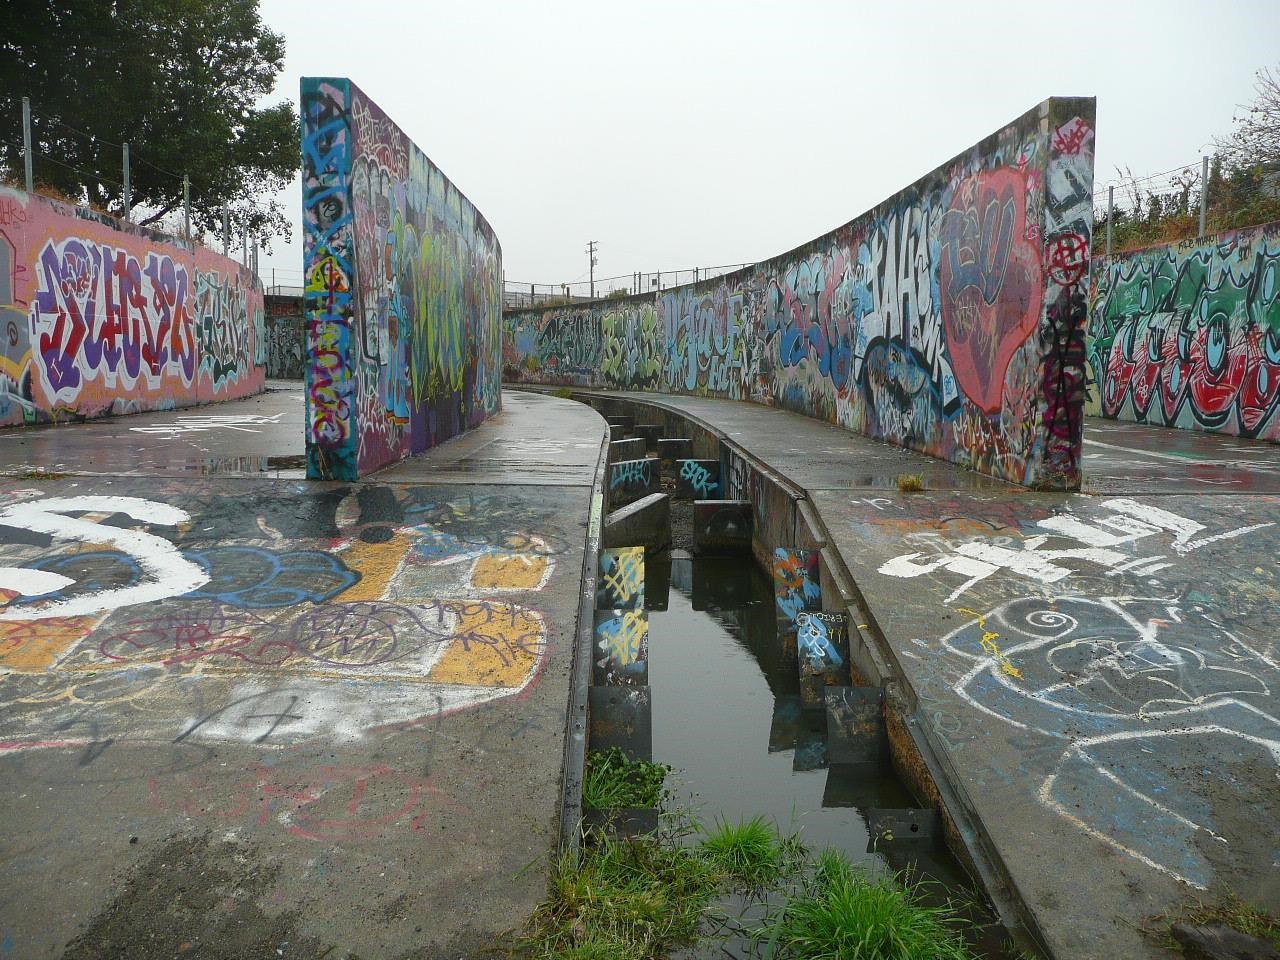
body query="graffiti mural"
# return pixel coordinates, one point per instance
(99, 317)
(1188, 335)
(404, 329)
(284, 337)
(108, 603)
(948, 319)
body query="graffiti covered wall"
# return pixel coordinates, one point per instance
(1188, 335)
(101, 317)
(403, 291)
(949, 319)
(286, 339)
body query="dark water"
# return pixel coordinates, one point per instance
(726, 716)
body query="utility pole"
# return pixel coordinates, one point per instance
(591, 254)
(127, 198)
(226, 230)
(26, 142)
(186, 208)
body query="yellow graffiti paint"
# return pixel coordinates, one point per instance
(377, 564)
(990, 645)
(510, 571)
(34, 646)
(494, 645)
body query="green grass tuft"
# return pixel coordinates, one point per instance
(749, 853)
(841, 914)
(611, 780)
(621, 898)
(911, 482)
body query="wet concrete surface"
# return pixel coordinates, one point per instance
(1097, 675)
(252, 716)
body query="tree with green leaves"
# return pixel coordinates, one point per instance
(180, 81)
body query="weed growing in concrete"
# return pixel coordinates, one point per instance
(910, 482)
(563, 393)
(750, 853)
(622, 899)
(611, 780)
(840, 912)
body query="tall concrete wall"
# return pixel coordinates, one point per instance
(403, 292)
(286, 337)
(101, 317)
(1188, 334)
(949, 318)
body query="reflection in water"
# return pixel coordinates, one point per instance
(727, 715)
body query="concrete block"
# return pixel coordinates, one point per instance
(621, 717)
(632, 479)
(620, 585)
(796, 586)
(899, 826)
(616, 433)
(697, 479)
(650, 432)
(632, 449)
(855, 725)
(671, 449)
(620, 420)
(722, 526)
(620, 644)
(822, 649)
(646, 522)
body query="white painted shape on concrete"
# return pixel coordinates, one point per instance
(170, 573)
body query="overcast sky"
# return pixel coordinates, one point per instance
(705, 133)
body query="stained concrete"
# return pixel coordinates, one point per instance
(347, 740)
(1094, 677)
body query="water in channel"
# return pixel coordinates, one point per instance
(727, 718)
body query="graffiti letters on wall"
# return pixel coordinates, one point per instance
(949, 319)
(97, 319)
(1188, 335)
(403, 296)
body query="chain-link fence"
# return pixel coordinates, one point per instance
(516, 294)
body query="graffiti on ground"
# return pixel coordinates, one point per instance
(108, 616)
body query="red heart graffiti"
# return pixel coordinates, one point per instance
(991, 279)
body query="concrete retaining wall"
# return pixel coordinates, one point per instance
(286, 337)
(1188, 334)
(948, 319)
(100, 317)
(403, 291)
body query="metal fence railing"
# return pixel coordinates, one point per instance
(516, 294)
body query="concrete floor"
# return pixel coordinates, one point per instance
(244, 715)
(1097, 674)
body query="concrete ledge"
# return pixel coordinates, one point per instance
(697, 479)
(632, 449)
(632, 479)
(645, 523)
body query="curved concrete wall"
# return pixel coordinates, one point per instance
(99, 316)
(949, 319)
(403, 293)
(1188, 334)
